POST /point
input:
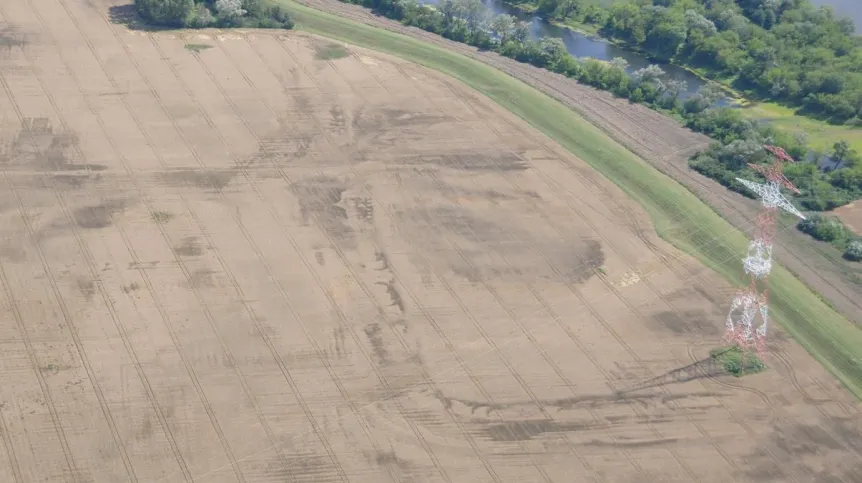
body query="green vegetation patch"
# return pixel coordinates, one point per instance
(161, 217)
(330, 51)
(679, 216)
(738, 361)
(197, 48)
(212, 13)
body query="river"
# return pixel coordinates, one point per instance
(583, 46)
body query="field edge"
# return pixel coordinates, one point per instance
(828, 336)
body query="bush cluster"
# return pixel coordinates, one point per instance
(854, 251)
(213, 13)
(831, 230)
(737, 361)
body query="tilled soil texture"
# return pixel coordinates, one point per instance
(664, 144)
(267, 257)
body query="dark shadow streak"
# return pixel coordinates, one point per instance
(703, 369)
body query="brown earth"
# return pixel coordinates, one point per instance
(667, 146)
(251, 264)
(851, 216)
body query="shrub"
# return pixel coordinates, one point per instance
(854, 251)
(169, 13)
(200, 17)
(825, 228)
(737, 361)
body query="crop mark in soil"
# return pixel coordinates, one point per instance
(525, 430)
(303, 467)
(98, 216)
(161, 217)
(375, 337)
(87, 287)
(796, 445)
(520, 255)
(201, 278)
(632, 444)
(189, 247)
(329, 51)
(206, 179)
(686, 322)
(389, 458)
(320, 199)
(382, 123)
(38, 146)
(132, 287)
(11, 37)
(394, 295)
(364, 209)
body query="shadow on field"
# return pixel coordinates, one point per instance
(703, 369)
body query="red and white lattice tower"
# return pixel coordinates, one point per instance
(753, 299)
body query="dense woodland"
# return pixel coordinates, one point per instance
(786, 51)
(212, 13)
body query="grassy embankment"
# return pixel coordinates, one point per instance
(679, 216)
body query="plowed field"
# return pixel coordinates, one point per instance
(265, 257)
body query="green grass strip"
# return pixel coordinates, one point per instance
(679, 216)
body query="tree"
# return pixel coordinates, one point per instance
(649, 73)
(696, 21)
(842, 151)
(229, 9)
(854, 251)
(674, 88)
(169, 13)
(619, 63)
(522, 32)
(200, 17)
(739, 152)
(503, 26)
(475, 13)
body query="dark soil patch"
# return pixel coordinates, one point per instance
(189, 247)
(215, 180)
(98, 216)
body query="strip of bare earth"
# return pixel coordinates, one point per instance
(678, 215)
(663, 143)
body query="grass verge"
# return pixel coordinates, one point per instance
(679, 217)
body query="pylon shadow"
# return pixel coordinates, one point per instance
(703, 369)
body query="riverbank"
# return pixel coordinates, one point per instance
(678, 215)
(820, 134)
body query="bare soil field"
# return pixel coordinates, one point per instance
(663, 143)
(259, 257)
(851, 216)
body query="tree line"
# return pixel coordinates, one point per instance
(213, 13)
(786, 51)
